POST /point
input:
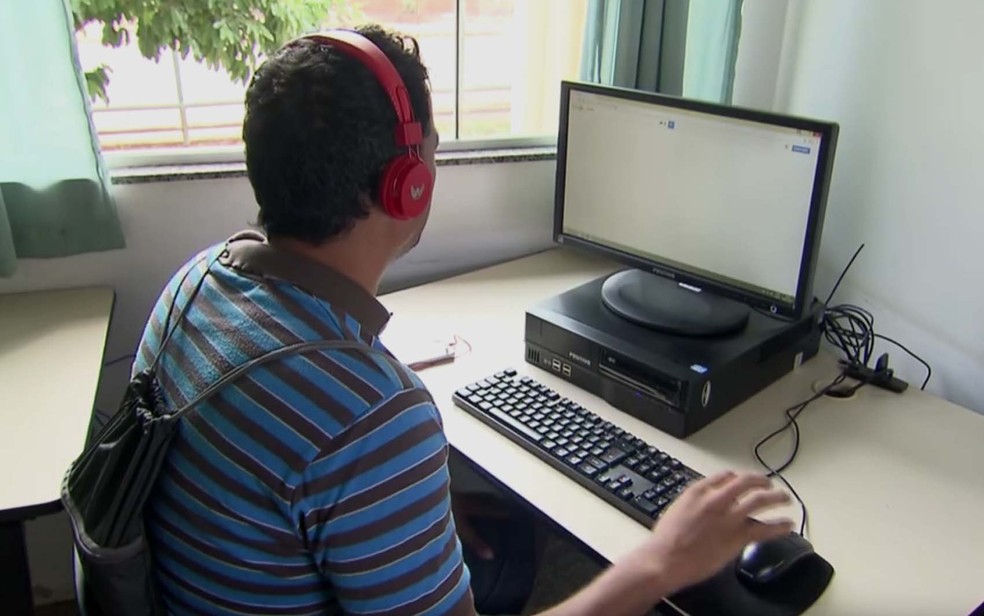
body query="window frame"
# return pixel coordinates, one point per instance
(204, 155)
(177, 156)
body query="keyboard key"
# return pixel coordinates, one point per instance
(562, 441)
(561, 452)
(644, 468)
(633, 462)
(515, 425)
(548, 444)
(597, 451)
(613, 455)
(588, 469)
(509, 372)
(574, 460)
(647, 506)
(598, 462)
(624, 480)
(626, 494)
(613, 486)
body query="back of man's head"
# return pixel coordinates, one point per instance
(319, 130)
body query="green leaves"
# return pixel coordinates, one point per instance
(96, 81)
(232, 35)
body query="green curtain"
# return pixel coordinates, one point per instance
(54, 197)
(681, 47)
(713, 31)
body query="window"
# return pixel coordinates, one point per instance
(495, 69)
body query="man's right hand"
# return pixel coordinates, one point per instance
(707, 525)
(704, 528)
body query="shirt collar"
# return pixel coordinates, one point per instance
(250, 253)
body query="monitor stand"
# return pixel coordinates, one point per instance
(662, 304)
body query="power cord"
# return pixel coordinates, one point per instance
(851, 329)
(929, 369)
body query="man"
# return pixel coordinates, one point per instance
(318, 482)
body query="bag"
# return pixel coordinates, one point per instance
(106, 488)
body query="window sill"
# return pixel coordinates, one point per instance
(217, 171)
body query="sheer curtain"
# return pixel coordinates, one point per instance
(54, 197)
(681, 47)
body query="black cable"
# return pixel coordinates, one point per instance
(112, 362)
(929, 369)
(791, 414)
(842, 274)
(851, 329)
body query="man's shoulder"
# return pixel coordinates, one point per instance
(349, 378)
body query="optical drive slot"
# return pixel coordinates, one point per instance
(634, 384)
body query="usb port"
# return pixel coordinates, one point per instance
(555, 364)
(567, 370)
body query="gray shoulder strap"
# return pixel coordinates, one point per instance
(290, 349)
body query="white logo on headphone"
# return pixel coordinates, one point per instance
(416, 192)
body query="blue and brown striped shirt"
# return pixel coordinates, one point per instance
(316, 483)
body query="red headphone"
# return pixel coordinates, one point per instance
(406, 183)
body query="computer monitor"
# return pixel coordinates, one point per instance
(716, 208)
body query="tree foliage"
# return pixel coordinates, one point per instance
(224, 34)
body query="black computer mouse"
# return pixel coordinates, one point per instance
(769, 563)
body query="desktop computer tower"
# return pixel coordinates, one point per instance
(676, 383)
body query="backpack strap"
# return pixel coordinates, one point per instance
(300, 347)
(184, 309)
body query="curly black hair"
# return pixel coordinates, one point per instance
(319, 130)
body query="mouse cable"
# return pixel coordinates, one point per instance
(791, 414)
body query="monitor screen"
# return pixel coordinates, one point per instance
(718, 198)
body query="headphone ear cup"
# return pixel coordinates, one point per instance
(406, 187)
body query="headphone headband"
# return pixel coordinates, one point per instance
(406, 183)
(409, 133)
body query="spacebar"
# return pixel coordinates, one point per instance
(515, 425)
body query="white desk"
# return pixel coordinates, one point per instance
(51, 353)
(894, 483)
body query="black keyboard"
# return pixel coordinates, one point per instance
(624, 470)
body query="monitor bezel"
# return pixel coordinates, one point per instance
(818, 201)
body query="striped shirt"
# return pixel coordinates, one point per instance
(315, 483)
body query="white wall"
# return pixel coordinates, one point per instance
(763, 24)
(481, 214)
(905, 81)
